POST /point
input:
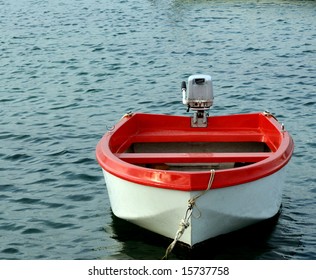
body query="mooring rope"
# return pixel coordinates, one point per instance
(185, 222)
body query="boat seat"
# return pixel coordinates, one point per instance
(145, 158)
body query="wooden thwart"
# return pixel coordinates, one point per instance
(143, 158)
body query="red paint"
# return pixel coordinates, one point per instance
(143, 128)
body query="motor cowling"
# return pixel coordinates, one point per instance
(198, 96)
(199, 93)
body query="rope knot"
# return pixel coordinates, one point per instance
(191, 203)
(184, 224)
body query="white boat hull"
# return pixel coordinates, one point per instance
(217, 211)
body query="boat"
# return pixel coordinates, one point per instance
(192, 178)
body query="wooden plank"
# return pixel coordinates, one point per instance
(210, 136)
(143, 158)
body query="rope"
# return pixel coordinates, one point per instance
(209, 185)
(185, 222)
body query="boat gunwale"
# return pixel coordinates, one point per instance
(265, 128)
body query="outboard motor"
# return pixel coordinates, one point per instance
(198, 97)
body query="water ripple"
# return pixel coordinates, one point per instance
(70, 70)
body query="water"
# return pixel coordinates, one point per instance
(71, 69)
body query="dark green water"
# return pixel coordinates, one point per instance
(70, 69)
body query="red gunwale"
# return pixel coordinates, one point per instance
(145, 128)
